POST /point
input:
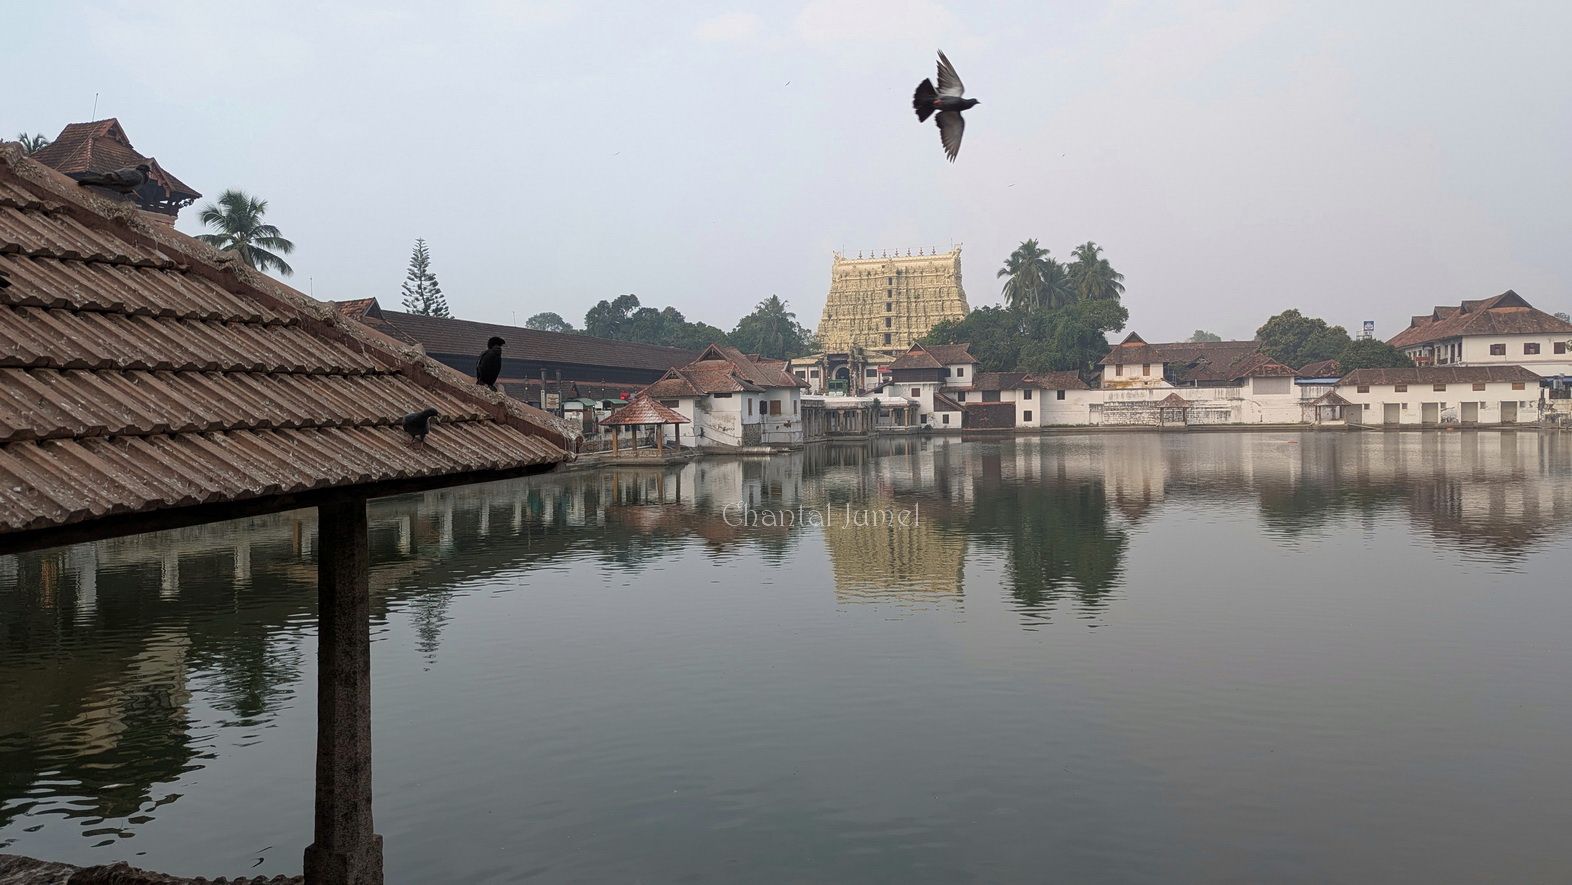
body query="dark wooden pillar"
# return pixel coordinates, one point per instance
(660, 438)
(345, 850)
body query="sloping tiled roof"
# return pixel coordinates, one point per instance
(1330, 398)
(942, 403)
(1322, 369)
(1439, 375)
(643, 410)
(917, 358)
(1198, 362)
(761, 372)
(1505, 314)
(1020, 380)
(101, 146)
(700, 379)
(368, 312)
(951, 354)
(467, 338)
(142, 372)
(1173, 401)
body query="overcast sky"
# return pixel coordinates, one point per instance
(1360, 160)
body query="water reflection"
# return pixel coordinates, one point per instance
(121, 663)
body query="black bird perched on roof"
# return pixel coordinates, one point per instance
(489, 366)
(123, 180)
(948, 102)
(418, 424)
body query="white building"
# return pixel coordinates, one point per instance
(1220, 382)
(937, 376)
(1437, 395)
(734, 400)
(1502, 331)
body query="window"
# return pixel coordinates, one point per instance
(1559, 347)
(1363, 388)
(870, 373)
(886, 337)
(1479, 385)
(889, 281)
(1058, 394)
(888, 322)
(721, 395)
(1026, 393)
(1027, 416)
(960, 396)
(775, 407)
(1531, 348)
(1146, 368)
(669, 403)
(750, 405)
(889, 306)
(1498, 350)
(889, 293)
(794, 407)
(1405, 407)
(1438, 387)
(1400, 388)
(800, 373)
(1517, 385)
(945, 417)
(813, 373)
(960, 371)
(1119, 368)
(916, 394)
(948, 371)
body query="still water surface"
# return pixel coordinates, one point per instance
(1130, 658)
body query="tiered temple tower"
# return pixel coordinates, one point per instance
(886, 302)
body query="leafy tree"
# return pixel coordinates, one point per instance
(237, 218)
(1200, 336)
(773, 331)
(1033, 279)
(1294, 339)
(422, 294)
(1092, 277)
(609, 319)
(548, 322)
(994, 334)
(623, 319)
(1369, 353)
(1071, 338)
(32, 144)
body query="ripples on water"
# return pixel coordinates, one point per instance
(1135, 657)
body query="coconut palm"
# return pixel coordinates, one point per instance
(238, 219)
(1023, 274)
(1092, 276)
(32, 144)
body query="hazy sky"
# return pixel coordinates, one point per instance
(1359, 160)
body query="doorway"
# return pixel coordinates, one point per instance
(1430, 413)
(1509, 412)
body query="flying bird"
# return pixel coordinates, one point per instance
(948, 102)
(489, 366)
(123, 180)
(418, 424)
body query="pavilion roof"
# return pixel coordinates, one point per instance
(643, 410)
(144, 374)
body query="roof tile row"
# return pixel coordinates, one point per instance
(119, 288)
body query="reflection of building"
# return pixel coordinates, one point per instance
(884, 304)
(886, 559)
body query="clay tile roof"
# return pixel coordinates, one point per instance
(951, 354)
(1322, 369)
(1173, 400)
(1330, 398)
(1058, 380)
(1505, 314)
(102, 146)
(761, 373)
(1257, 365)
(916, 358)
(1439, 375)
(644, 410)
(943, 403)
(141, 372)
(466, 338)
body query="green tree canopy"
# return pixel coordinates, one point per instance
(549, 322)
(773, 331)
(32, 144)
(1071, 338)
(994, 334)
(1294, 339)
(1200, 336)
(422, 294)
(1034, 279)
(624, 319)
(1368, 353)
(1092, 277)
(237, 218)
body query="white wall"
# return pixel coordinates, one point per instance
(1476, 352)
(1410, 403)
(1133, 376)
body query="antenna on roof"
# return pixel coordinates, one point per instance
(95, 107)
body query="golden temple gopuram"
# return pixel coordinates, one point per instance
(886, 302)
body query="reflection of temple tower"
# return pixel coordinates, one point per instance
(886, 303)
(875, 563)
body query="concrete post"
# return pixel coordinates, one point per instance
(345, 850)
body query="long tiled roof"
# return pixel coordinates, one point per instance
(1439, 375)
(467, 338)
(1020, 380)
(643, 410)
(1198, 362)
(760, 371)
(1505, 314)
(142, 372)
(101, 146)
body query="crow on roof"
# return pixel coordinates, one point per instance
(418, 424)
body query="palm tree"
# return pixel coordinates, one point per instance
(238, 220)
(32, 144)
(1023, 273)
(1093, 277)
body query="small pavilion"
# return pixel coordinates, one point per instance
(1173, 410)
(644, 411)
(148, 382)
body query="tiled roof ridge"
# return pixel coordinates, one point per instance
(229, 274)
